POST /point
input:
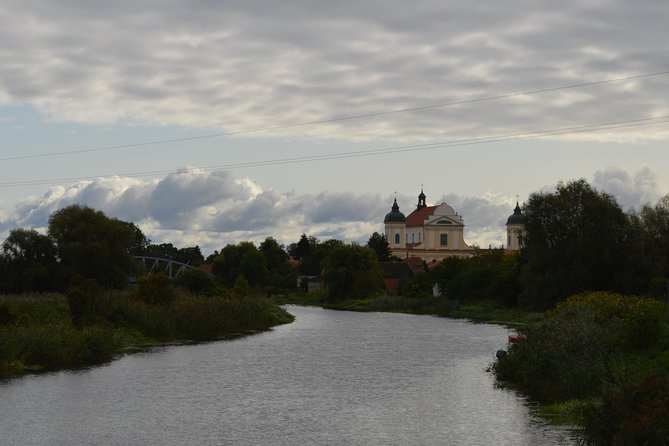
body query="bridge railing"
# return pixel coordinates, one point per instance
(171, 268)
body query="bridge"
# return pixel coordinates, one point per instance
(171, 268)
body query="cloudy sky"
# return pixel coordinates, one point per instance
(209, 122)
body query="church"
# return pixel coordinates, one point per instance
(435, 232)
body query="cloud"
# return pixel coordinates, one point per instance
(211, 209)
(241, 65)
(631, 190)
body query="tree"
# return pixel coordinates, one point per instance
(304, 247)
(92, 245)
(29, 262)
(575, 240)
(351, 272)
(242, 258)
(281, 274)
(140, 241)
(380, 246)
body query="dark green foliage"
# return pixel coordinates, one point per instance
(636, 414)
(351, 272)
(140, 241)
(380, 246)
(576, 240)
(155, 289)
(189, 255)
(6, 316)
(558, 359)
(197, 282)
(281, 275)
(263, 267)
(82, 297)
(42, 338)
(492, 276)
(28, 262)
(56, 346)
(575, 351)
(419, 286)
(240, 287)
(304, 247)
(93, 245)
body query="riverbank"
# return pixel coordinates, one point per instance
(576, 361)
(37, 333)
(477, 311)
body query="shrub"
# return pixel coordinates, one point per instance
(558, 359)
(196, 281)
(630, 321)
(156, 289)
(636, 414)
(82, 296)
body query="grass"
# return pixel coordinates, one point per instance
(36, 333)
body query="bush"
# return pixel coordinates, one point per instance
(558, 359)
(82, 296)
(196, 281)
(630, 321)
(636, 414)
(156, 289)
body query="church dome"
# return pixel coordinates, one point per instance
(517, 218)
(395, 216)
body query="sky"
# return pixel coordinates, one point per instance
(208, 122)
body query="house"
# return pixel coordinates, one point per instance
(395, 275)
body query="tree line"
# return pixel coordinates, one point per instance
(83, 242)
(576, 238)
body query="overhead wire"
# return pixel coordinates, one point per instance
(371, 152)
(332, 119)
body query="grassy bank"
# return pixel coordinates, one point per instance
(37, 333)
(479, 311)
(600, 361)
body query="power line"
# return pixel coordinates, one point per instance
(374, 152)
(334, 119)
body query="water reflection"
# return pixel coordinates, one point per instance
(329, 378)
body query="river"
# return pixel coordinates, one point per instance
(329, 378)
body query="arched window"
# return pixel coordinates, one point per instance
(397, 238)
(443, 239)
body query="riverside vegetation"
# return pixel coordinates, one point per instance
(88, 325)
(598, 359)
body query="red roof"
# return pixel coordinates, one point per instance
(417, 217)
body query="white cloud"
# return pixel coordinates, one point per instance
(240, 65)
(212, 209)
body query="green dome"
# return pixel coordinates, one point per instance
(517, 218)
(395, 216)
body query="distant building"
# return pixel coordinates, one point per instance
(435, 232)
(515, 229)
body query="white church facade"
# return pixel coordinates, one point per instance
(435, 232)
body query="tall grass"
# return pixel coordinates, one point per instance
(37, 331)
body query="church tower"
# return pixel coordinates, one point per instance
(395, 227)
(421, 200)
(515, 229)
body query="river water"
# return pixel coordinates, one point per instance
(329, 378)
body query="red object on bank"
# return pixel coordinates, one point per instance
(513, 338)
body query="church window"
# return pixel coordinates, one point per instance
(443, 239)
(397, 238)
(444, 222)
